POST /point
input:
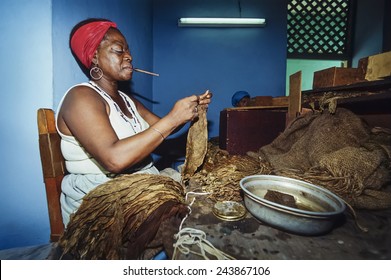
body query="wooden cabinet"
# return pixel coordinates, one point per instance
(371, 100)
(249, 128)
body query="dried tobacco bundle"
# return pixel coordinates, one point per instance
(221, 173)
(197, 144)
(120, 217)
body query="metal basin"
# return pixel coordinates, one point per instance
(317, 210)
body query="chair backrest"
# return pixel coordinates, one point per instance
(53, 167)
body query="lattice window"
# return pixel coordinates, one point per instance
(320, 29)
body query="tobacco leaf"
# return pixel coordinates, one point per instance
(197, 144)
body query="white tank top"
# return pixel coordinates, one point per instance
(78, 161)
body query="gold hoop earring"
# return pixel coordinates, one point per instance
(96, 73)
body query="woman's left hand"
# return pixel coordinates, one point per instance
(205, 98)
(186, 109)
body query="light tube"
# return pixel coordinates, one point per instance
(221, 22)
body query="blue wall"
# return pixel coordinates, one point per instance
(37, 67)
(368, 37)
(40, 68)
(26, 73)
(223, 60)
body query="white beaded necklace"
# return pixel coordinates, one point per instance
(134, 121)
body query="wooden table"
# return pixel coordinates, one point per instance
(250, 239)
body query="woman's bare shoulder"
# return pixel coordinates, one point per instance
(81, 94)
(83, 99)
(81, 90)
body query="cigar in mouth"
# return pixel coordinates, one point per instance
(145, 72)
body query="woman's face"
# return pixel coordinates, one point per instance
(243, 102)
(113, 56)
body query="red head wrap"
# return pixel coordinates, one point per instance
(87, 38)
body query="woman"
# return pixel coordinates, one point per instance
(240, 99)
(103, 131)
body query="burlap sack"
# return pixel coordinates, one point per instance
(312, 136)
(337, 151)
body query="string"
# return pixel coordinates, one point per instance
(187, 237)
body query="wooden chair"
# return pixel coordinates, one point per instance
(53, 167)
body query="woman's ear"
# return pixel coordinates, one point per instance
(95, 58)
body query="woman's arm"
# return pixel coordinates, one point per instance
(84, 114)
(146, 114)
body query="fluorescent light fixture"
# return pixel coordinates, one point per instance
(221, 22)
